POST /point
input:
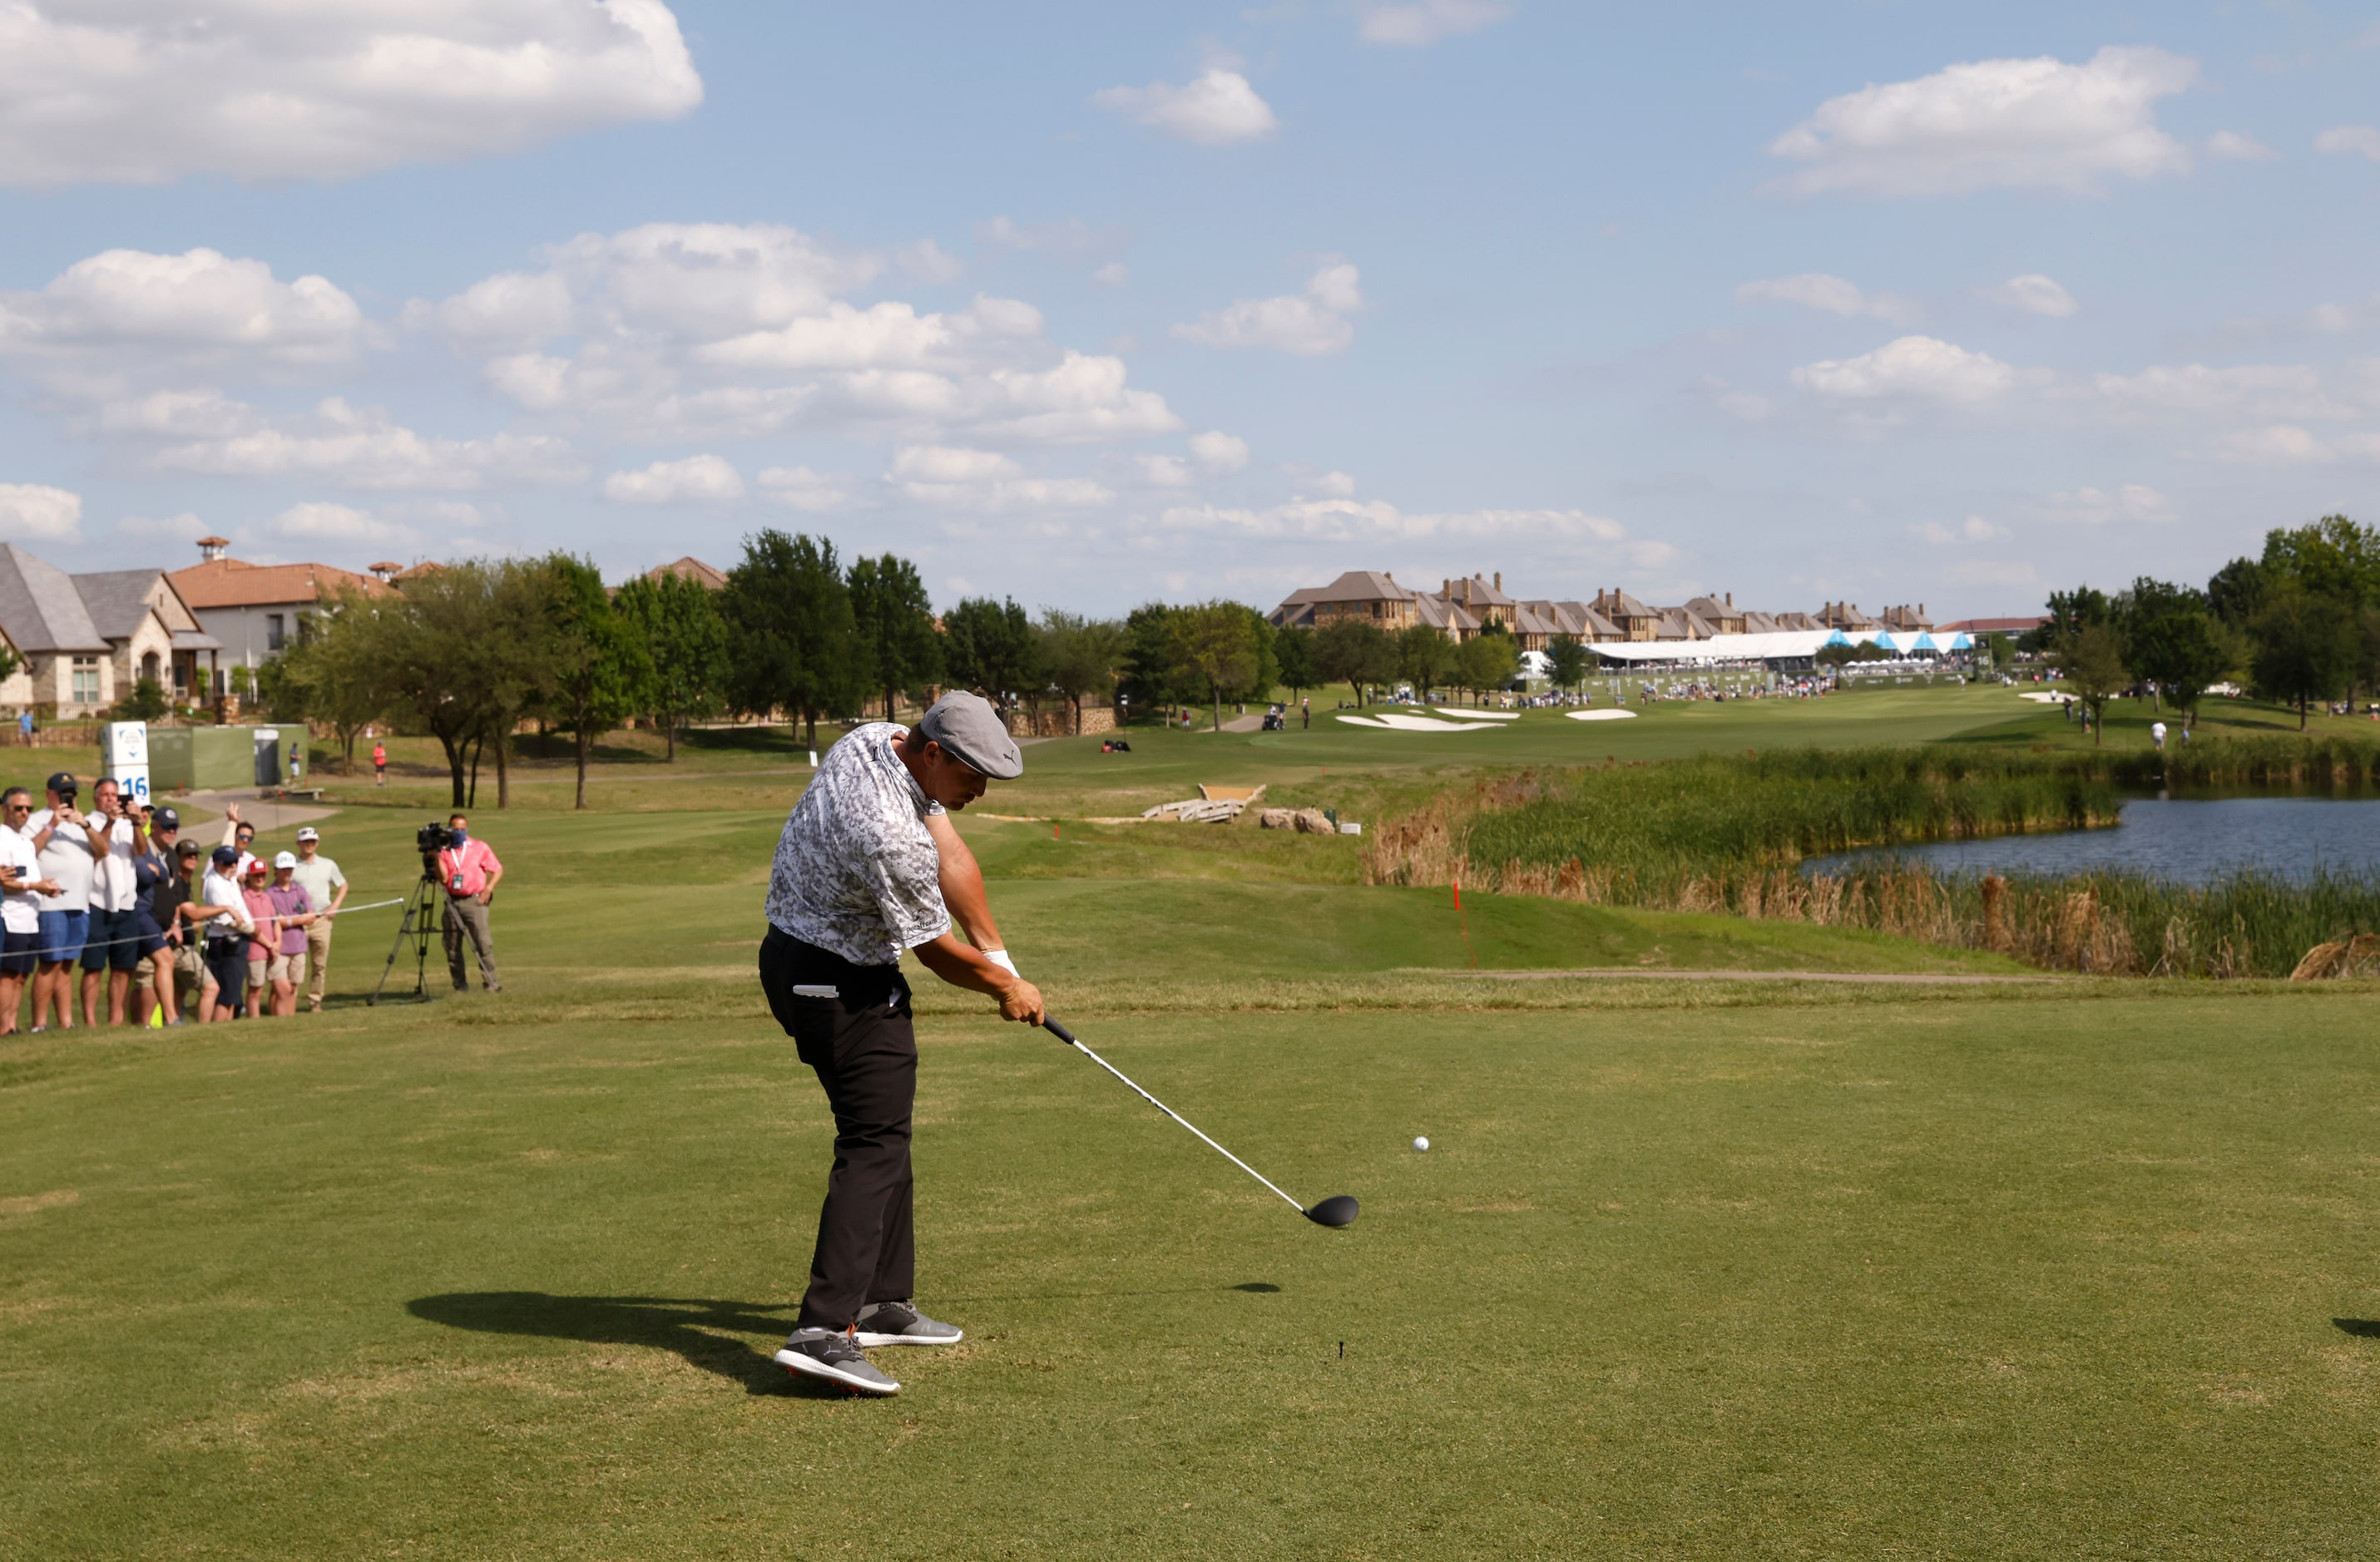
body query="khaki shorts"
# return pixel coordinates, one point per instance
(290, 968)
(256, 976)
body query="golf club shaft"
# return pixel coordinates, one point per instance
(1062, 1034)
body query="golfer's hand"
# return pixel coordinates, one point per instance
(1022, 1002)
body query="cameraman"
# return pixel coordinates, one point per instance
(469, 872)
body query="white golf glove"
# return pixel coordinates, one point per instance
(1000, 958)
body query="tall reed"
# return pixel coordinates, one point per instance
(1726, 834)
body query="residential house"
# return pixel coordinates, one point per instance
(1362, 594)
(252, 610)
(85, 640)
(1909, 617)
(1576, 620)
(1721, 614)
(693, 569)
(1979, 627)
(1631, 618)
(1483, 599)
(1845, 616)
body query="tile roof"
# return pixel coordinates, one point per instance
(693, 569)
(231, 583)
(39, 608)
(1358, 586)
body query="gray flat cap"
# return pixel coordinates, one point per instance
(970, 731)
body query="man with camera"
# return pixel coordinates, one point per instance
(116, 947)
(70, 846)
(468, 872)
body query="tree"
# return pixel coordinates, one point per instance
(2171, 637)
(1566, 662)
(1147, 657)
(2070, 611)
(1215, 643)
(895, 622)
(2334, 559)
(1424, 653)
(1488, 661)
(687, 641)
(792, 644)
(1079, 656)
(991, 648)
(1293, 648)
(603, 670)
(2236, 592)
(1356, 650)
(2092, 660)
(146, 702)
(462, 652)
(2367, 651)
(2304, 648)
(334, 674)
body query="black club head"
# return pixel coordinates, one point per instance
(1339, 1209)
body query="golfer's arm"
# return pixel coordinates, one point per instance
(962, 965)
(962, 882)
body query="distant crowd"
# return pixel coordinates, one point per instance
(163, 930)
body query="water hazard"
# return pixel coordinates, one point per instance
(2188, 840)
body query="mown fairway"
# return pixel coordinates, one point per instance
(1693, 1271)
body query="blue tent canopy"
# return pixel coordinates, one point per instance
(1962, 641)
(1924, 642)
(1836, 638)
(1885, 642)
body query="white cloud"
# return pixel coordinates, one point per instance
(1219, 453)
(511, 308)
(2338, 319)
(364, 447)
(183, 527)
(1831, 295)
(1073, 239)
(1913, 367)
(2033, 295)
(128, 306)
(706, 332)
(1376, 521)
(2098, 507)
(1426, 21)
(336, 523)
(2019, 123)
(1335, 485)
(701, 480)
(798, 488)
(145, 91)
(2363, 140)
(1974, 529)
(2234, 147)
(929, 261)
(1162, 471)
(960, 479)
(2287, 445)
(32, 510)
(1115, 274)
(1216, 109)
(1308, 324)
(2290, 391)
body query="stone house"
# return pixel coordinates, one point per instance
(85, 640)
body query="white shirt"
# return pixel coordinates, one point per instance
(320, 877)
(217, 890)
(66, 859)
(114, 885)
(857, 873)
(20, 910)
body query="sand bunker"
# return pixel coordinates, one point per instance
(1600, 714)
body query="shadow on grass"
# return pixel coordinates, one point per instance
(683, 1325)
(2361, 1329)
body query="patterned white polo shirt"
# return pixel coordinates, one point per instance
(856, 872)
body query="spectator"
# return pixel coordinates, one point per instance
(293, 913)
(20, 908)
(178, 975)
(379, 763)
(240, 836)
(152, 984)
(327, 887)
(114, 950)
(223, 911)
(469, 870)
(71, 847)
(264, 938)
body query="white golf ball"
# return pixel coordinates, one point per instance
(1421, 1143)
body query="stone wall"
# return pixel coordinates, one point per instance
(1058, 720)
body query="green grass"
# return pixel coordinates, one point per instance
(1695, 1269)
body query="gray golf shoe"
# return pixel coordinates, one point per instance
(834, 1357)
(900, 1323)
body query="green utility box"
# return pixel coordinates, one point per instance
(206, 758)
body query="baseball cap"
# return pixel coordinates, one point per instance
(255, 865)
(308, 833)
(223, 856)
(190, 849)
(285, 859)
(971, 731)
(164, 818)
(64, 784)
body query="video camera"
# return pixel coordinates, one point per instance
(432, 838)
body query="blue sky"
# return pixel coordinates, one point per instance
(1090, 304)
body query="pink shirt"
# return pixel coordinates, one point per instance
(473, 861)
(260, 910)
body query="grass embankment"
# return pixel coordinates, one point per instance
(1718, 833)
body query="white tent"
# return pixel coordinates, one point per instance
(1782, 645)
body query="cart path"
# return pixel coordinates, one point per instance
(266, 814)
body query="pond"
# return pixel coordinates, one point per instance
(2188, 840)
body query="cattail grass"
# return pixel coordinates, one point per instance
(1727, 834)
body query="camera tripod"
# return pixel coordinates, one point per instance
(419, 928)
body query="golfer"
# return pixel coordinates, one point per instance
(861, 874)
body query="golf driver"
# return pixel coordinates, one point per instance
(1339, 1209)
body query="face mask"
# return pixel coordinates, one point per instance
(461, 835)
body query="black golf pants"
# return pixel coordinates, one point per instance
(862, 1046)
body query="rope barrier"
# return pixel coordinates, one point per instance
(143, 938)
